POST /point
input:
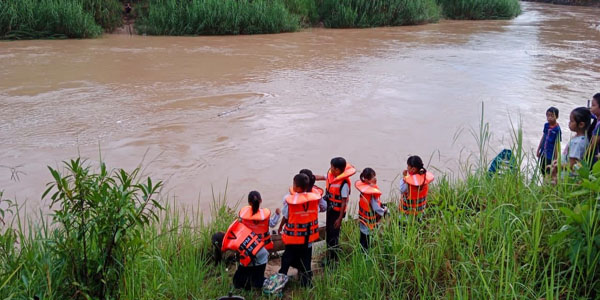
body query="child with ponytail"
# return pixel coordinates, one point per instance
(370, 209)
(414, 187)
(258, 221)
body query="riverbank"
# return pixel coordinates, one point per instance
(481, 236)
(31, 19)
(595, 3)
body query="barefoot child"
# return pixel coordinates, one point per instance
(579, 121)
(259, 220)
(552, 134)
(300, 228)
(414, 187)
(370, 210)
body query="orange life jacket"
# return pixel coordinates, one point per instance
(243, 240)
(334, 187)
(366, 214)
(302, 226)
(258, 223)
(315, 190)
(414, 200)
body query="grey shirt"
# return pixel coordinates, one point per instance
(575, 149)
(261, 258)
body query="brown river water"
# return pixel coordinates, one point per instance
(251, 111)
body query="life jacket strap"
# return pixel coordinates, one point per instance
(302, 225)
(300, 233)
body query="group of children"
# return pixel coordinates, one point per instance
(249, 234)
(583, 146)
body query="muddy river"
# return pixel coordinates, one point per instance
(241, 113)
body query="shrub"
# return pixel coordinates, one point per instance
(216, 17)
(372, 13)
(101, 218)
(480, 9)
(107, 13)
(306, 10)
(33, 19)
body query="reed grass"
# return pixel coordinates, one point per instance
(107, 13)
(216, 17)
(373, 13)
(480, 9)
(34, 19)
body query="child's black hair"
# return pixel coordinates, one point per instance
(367, 174)
(582, 115)
(339, 163)
(416, 162)
(254, 200)
(553, 110)
(302, 181)
(311, 178)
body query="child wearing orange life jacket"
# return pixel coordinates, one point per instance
(336, 194)
(259, 220)
(414, 187)
(300, 227)
(253, 255)
(370, 209)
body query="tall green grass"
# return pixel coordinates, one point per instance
(482, 236)
(216, 17)
(480, 9)
(373, 13)
(306, 10)
(34, 19)
(107, 13)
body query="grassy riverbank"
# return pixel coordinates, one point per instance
(34, 19)
(480, 9)
(483, 236)
(570, 2)
(216, 17)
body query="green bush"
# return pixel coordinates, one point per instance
(34, 19)
(373, 13)
(306, 10)
(101, 218)
(107, 13)
(480, 9)
(216, 17)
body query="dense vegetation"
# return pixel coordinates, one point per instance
(34, 19)
(31, 19)
(482, 236)
(371, 13)
(480, 9)
(174, 17)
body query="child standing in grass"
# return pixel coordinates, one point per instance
(336, 194)
(253, 255)
(300, 227)
(552, 134)
(414, 187)
(579, 121)
(594, 130)
(370, 210)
